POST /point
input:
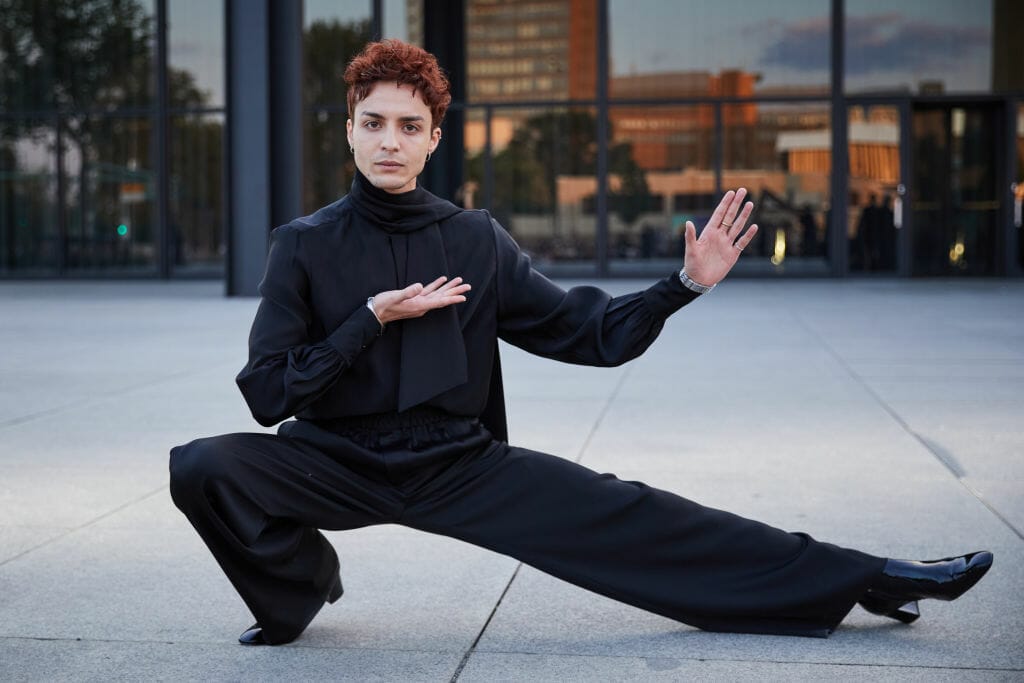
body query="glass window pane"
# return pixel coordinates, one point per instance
(873, 212)
(661, 174)
(76, 54)
(29, 242)
(700, 48)
(920, 46)
(335, 31)
(196, 220)
(195, 53)
(403, 19)
(543, 185)
(328, 165)
(1018, 195)
(782, 154)
(524, 51)
(111, 196)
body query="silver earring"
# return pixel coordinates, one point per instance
(351, 150)
(428, 155)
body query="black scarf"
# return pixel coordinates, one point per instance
(433, 352)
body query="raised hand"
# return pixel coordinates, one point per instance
(709, 258)
(415, 300)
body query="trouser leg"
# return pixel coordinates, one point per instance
(257, 501)
(646, 547)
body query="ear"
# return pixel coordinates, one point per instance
(435, 139)
(348, 132)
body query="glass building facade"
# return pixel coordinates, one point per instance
(164, 138)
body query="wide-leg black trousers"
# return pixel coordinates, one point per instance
(258, 500)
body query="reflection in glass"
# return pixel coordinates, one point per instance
(661, 174)
(76, 54)
(672, 48)
(955, 201)
(922, 46)
(334, 33)
(524, 51)
(28, 187)
(544, 163)
(782, 154)
(195, 54)
(196, 216)
(110, 197)
(328, 167)
(1018, 192)
(874, 144)
(403, 19)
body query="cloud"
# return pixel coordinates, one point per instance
(877, 43)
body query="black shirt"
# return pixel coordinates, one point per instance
(315, 349)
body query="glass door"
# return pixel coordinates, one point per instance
(876, 190)
(954, 190)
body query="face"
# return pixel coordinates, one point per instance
(391, 134)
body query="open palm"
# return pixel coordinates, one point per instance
(710, 257)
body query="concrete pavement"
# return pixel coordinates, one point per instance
(883, 415)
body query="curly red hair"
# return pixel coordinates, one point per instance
(394, 60)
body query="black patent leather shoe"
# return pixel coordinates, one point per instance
(254, 634)
(902, 583)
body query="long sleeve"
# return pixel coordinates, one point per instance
(583, 325)
(287, 370)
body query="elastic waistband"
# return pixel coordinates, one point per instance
(417, 416)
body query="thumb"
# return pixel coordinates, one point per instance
(690, 235)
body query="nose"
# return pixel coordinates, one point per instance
(389, 140)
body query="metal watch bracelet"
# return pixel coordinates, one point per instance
(693, 285)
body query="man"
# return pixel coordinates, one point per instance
(378, 331)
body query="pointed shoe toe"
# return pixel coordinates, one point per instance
(253, 636)
(902, 583)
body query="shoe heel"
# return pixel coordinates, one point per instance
(906, 612)
(336, 591)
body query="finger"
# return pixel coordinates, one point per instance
(454, 282)
(411, 291)
(435, 284)
(744, 240)
(719, 213)
(451, 291)
(741, 220)
(729, 219)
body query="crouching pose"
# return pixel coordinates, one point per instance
(378, 333)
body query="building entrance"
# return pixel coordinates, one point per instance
(955, 198)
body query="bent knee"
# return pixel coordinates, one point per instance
(196, 462)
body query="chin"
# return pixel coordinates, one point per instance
(392, 183)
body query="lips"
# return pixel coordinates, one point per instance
(389, 164)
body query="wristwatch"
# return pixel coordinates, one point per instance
(369, 304)
(693, 285)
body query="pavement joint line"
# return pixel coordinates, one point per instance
(579, 455)
(582, 655)
(909, 430)
(22, 419)
(738, 660)
(71, 530)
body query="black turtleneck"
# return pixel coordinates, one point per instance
(315, 351)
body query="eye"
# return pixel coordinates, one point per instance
(412, 128)
(372, 124)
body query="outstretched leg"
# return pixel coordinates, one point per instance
(257, 501)
(646, 547)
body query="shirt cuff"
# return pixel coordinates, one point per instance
(667, 296)
(356, 333)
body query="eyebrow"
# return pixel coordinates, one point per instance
(375, 115)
